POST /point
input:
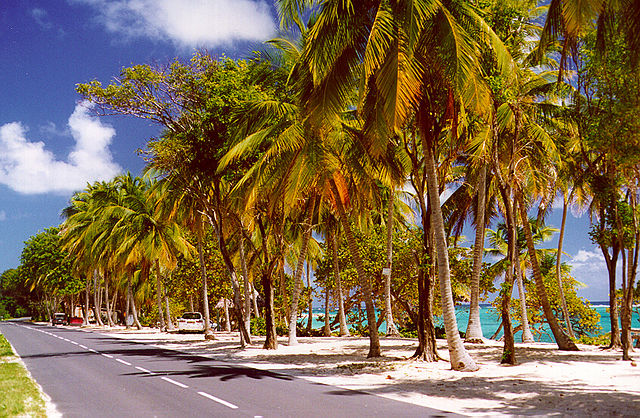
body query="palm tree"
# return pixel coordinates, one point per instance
(527, 149)
(499, 241)
(569, 20)
(409, 49)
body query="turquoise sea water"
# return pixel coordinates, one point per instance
(491, 321)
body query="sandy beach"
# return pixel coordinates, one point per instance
(546, 381)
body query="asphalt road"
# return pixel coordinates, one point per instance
(88, 374)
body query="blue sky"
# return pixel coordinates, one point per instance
(50, 143)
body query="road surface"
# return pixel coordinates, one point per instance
(89, 374)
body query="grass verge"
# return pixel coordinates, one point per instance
(19, 394)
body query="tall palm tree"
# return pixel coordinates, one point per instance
(415, 56)
(526, 163)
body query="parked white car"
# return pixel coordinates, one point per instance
(191, 322)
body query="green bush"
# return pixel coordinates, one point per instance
(603, 339)
(259, 327)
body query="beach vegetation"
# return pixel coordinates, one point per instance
(356, 147)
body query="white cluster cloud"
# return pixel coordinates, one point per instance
(588, 258)
(187, 23)
(28, 167)
(3, 215)
(42, 18)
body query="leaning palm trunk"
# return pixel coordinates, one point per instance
(344, 329)
(474, 327)
(132, 303)
(563, 300)
(245, 338)
(458, 356)
(562, 339)
(96, 299)
(374, 340)
(108, 305)
(391, 326)
(297, 278)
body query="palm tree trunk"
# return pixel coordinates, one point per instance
(427, 349)
(271, 341)
(508, 351)
(562, 339)
(254, 300)
(458, 356)
(159, 296)
(627, 300)
(134, 311)
(170, 326)
(342, 319)
(127, 303)
(245, 338)
(86, 303)
(203, 276)
(474, 327)
(527, 336)
(246, 286)
(391, 326)
(327, 327)
(96, 299)
(310, 307)
(563, 300)
(227, 319)
(106, 299)
(297, 277)
(374, 340)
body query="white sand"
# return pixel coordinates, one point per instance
(546, 381)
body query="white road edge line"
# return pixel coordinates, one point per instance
(166, 379)
(220, 401)
(123, 362)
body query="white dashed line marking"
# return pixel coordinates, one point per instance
(107, 355)
(73, 342)
(83, 346)
(166, 379)
(144, 370)
(123, 362)
(220, 401)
